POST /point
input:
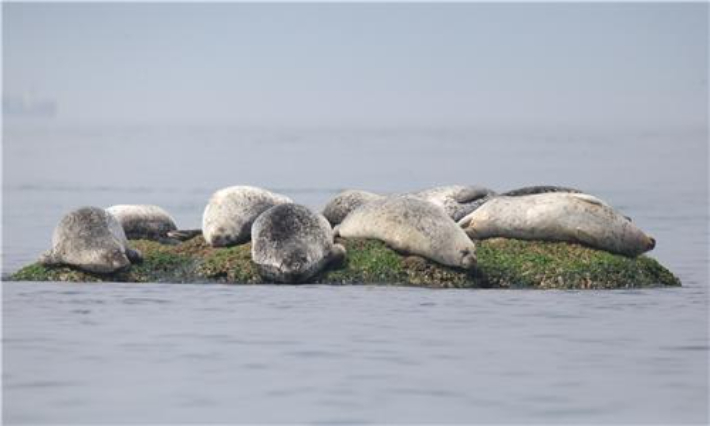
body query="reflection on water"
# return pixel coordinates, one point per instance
(164, 353)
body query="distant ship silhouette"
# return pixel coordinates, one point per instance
(28, 106)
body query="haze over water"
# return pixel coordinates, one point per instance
(379, 97)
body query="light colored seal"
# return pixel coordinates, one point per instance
(291, 244)
(456, 200)
(412, 225)
(143, 221)
(558, 216)
(230, 213)
(90, 239)
(527, 190)
(339, 207)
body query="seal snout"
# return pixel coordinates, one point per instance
(118, 261)
(221, 240)
(294, 263)
(651, 243)
(468, 260)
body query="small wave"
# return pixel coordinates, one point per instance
(143, 300)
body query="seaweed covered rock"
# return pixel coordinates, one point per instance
(502, 263)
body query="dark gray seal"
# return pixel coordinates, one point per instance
(339, 207)
(230, 213)
(456, 200)
(145, 222)
(291, 244)
(412, 225)
(540, 189)
(90, 239)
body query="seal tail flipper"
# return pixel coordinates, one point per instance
(133, 255)
(472, 206)
(184, 234)
(465, 222)
(472, 193)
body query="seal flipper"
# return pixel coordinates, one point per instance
(589, 199)
(184, 234)
(337, 255)
(134, 256)
(48, 258)
(585, 237)
(472, 193)
(596, 201)
(464, 222)
(471, 232)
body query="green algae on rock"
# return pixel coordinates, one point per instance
(502, 263)
(541, 264)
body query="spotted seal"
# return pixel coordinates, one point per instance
(291, 244)
(230, 213)
(411, 225)
(456, 200)
(558, 216)
(143, 221)
(339, 207)
(90, 239)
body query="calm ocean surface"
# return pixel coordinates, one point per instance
(165, 353)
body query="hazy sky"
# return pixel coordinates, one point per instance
(362, 63)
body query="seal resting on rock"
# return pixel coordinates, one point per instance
(230, 213)
(527, 190)
(90, 239)
(411, 225)
(291, 244)
(558, 216)
(144, 222)
(456, 200)
(339, 207)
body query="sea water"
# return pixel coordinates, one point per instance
(168, 353)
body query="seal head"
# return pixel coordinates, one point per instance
(291, 244)
(230, 213)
